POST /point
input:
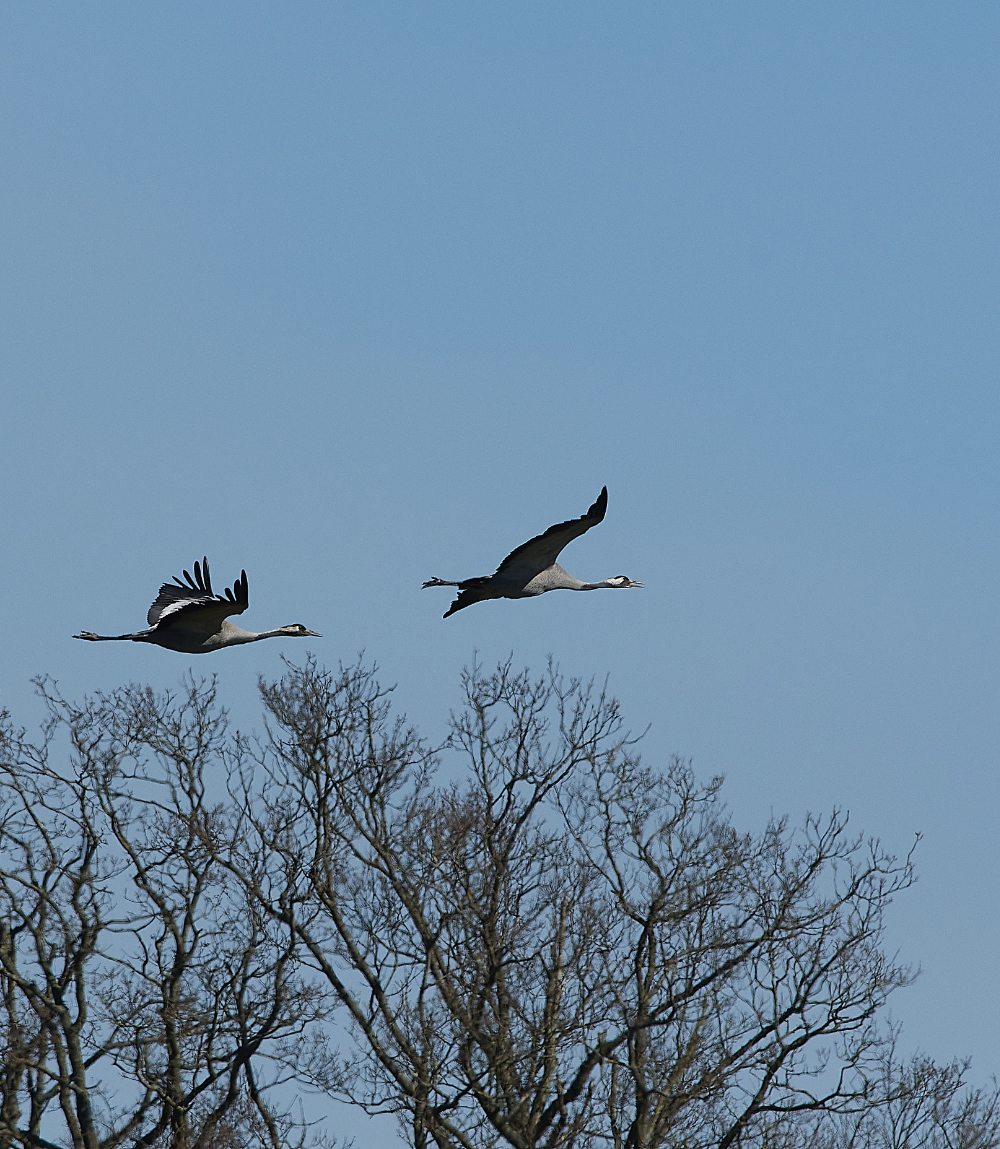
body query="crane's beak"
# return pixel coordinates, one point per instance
(313, 634)
(638, 584)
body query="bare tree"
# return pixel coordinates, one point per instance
(563, 947)
(927, 1106)
(534, 939)
(141, 988)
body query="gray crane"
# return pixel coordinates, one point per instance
(191, 619)
(531, 569)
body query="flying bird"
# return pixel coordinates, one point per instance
(532, 569)
(188, 617)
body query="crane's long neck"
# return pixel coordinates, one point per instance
(230, 635)
(556, 577)
(604, 584)
(236, 635)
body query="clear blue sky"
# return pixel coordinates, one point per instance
(351, 295)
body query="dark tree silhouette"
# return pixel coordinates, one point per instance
(562, 946)
(141, 988)
(523, 937)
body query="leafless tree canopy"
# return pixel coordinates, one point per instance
(141, 987)
(525, 937)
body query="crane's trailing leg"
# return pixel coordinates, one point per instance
(91, 637)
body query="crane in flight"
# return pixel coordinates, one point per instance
(531, 569)
(188, 617)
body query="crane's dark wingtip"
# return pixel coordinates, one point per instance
(465, 598)
(599, 507)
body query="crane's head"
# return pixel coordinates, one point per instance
(297, 630)
(621, 582)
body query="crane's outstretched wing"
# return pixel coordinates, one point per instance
(194, 605)
(539, 553)
(473, 590)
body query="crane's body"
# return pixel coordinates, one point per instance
(531, 569)
(188, 617)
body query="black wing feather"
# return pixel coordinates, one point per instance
(240, 593)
